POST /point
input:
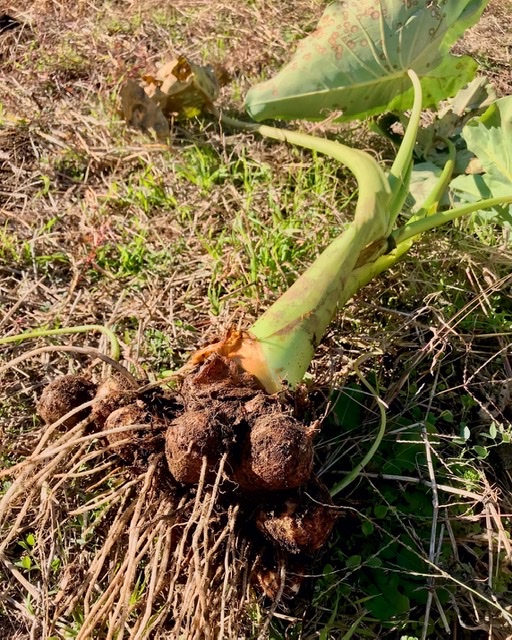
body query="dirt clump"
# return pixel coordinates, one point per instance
(218, 379)
(64, 394)
(220, 429)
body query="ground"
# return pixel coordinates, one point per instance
(101, 226)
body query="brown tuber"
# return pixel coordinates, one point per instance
(303, 523)
(277, 454)
(191, 437)
(138, 442)
(64, 394)
(112, 393)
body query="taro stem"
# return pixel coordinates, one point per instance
(280, 345)
(115, 350)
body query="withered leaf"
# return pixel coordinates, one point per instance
(141, 112)
(182, 88)
(179, 89)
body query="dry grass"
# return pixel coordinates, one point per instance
(490, 43)
(100, 225)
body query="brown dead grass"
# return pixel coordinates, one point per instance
(490, 43)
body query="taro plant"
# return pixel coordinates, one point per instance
(221, 490)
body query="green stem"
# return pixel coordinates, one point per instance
(41, 333)
(291, 329)
(429, 207)
(405, 238)
(400, 172)
(415, 227)
(368, 272)
(376, 192)
(431, 204)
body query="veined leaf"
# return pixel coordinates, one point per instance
(424, 177)
(356, 60)
(489, 137)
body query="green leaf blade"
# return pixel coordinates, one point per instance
(356, 61)
(489, 137)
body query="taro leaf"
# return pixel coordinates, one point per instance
(356, 60)
(182, 88)
(452, 116)
(476, 96)
(489, 137)
(424, 177)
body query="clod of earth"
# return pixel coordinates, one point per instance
(140, 112)
(62, 396)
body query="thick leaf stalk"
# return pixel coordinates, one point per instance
(280, 345)
(288, 333)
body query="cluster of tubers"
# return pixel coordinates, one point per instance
(218, 412)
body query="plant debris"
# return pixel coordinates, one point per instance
(179, 89)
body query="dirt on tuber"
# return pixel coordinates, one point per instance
(134, 432)
(303, 522)
(277, 454)
(193, 437)
(64, 394)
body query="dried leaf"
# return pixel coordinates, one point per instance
(141, 112)
(182, 88)
(179, 89)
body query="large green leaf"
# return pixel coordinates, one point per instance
(489, 137)
(356, 60)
